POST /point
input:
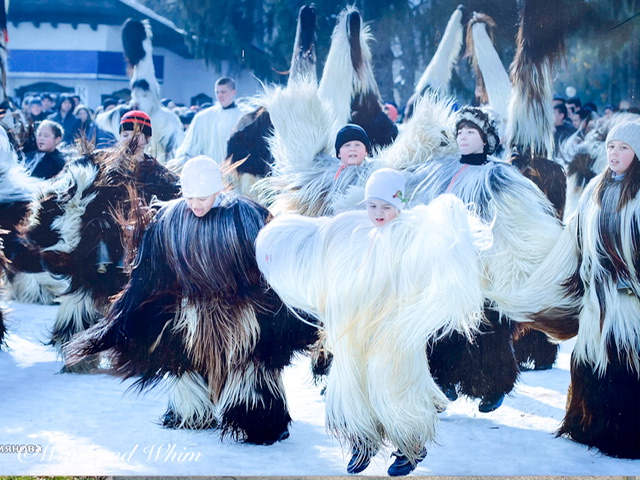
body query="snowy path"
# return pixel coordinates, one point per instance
(91, 425)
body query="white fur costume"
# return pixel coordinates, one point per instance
(381, 294)
(208, 135)
(524, 226)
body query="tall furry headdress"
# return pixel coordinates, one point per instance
(540, 43)
(492, 80)
(348, 72)
(138, 51)
(437, 75)
(303, 60)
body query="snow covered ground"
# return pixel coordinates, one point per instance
(91, 425)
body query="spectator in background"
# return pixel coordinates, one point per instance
(47, 160)
(89, 130)
(557, 99)
(36, 112)
(608, 110)
(109, 103)
(574, 104)
(32, 107)
(65, 117)
(48, 103)
(76, 100)
(564, 129)
(187, 117)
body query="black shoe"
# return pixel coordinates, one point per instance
(544, 367)
(490, 404)
(450, 392)
(402, 466)
(170, 419)
(359, 460)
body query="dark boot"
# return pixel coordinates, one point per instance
(402, 466)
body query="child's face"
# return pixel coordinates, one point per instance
(46, 140)
(381, 212)
(619, 156)
(200, 206)
(352, 153)
(469, 141)
(142, 140)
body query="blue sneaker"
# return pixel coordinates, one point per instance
(402, 466)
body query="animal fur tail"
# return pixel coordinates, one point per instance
(492, 80)
(437, 75)
(303, 61)
(540, 43)
(138, 49)
(347, 71)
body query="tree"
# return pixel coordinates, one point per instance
(602, 58)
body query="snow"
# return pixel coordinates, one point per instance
(94, 425)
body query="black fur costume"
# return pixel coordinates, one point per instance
(486, 368)
(76, 230)
(198, 310)
(533, 349)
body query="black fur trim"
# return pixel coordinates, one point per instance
(603, 411)
(534, 351)
(249, 146)
(483, 368)
(264, 423)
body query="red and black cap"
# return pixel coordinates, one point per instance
(136, 119)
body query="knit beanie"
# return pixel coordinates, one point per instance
(200, 177)
(351, 132)
(136, 119)
(387, 185)
(629, 133)
(485, 124)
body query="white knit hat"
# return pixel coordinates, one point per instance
(200, 177)
(629, 133)
(387, 185)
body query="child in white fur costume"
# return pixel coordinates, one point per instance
(381, 293)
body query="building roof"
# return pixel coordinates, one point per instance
(100, 12)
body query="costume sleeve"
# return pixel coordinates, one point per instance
(549, 299)
(135, 334)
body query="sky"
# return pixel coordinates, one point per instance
(94, 425)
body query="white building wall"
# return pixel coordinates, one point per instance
(183, 77)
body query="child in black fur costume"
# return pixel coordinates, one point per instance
(198, 314)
